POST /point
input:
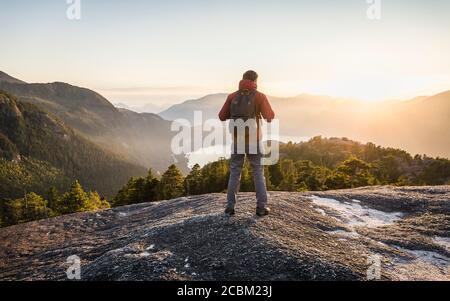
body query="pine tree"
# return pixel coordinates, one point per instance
(289, 181)
(11, 211)
(274, 174)
(96, 202)
(52, 197)
(172, 183)
(29, 208)
(35, 208)
(128, 194)
(75, 200)
(194, 181)
(138, 190)
(151, 188)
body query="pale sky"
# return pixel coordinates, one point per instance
(138, 51)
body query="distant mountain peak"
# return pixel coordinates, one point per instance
(9, 79)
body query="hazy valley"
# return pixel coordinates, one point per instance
(419, 126)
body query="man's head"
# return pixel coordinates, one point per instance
(251, 75)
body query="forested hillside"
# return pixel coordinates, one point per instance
(142, 138)
(38, 151)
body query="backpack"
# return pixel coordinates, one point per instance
(243, 107)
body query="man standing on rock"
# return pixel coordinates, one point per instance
(244, 109)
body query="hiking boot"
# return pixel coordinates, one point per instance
(230, 211)
(262, 211)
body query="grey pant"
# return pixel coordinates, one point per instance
(236, 165)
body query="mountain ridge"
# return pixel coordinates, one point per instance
(7, 78)
(29, 133)
(143, 139)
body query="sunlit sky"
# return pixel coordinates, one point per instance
(138, 51)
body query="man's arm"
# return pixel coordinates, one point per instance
(266, 109)
(225, 114)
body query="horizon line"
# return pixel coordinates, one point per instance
(201, 92)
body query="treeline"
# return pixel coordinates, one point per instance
(341, 158)
(35, 207)
(151, 188)
(316, 165)
(319, 164)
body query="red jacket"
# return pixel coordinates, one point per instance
(263, 107)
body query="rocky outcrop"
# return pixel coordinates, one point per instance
(334, 235)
